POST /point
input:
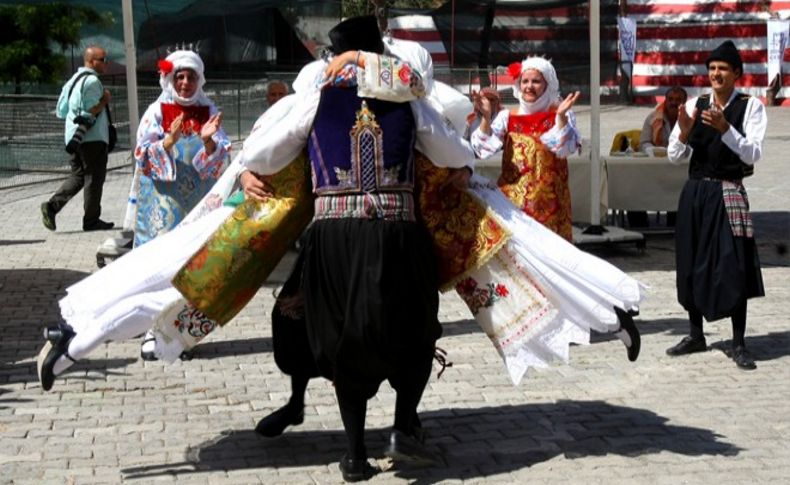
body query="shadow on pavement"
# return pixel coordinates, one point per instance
(230, 348)
(772, 233)
(8, 402)
(524, 435)
(29, 299)
(84, 370)
(774, 345)
(14, 242)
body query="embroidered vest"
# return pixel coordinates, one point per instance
(711, 157)
(361, 145)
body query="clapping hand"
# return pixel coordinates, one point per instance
(566, 105)
(685, 123)
(714, 117)
(211, 127)
(483, 104)
(176, 127)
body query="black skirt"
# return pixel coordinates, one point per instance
(716, 271)
(371, 300)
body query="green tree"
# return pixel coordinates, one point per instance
(28, 34)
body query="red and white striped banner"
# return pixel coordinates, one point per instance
(422, 29)
(674, 37)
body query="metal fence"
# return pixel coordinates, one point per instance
(31, 137)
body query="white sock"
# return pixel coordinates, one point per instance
(62, 364)
(623, 335)
(149, 342)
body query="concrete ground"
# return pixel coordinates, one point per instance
(597, 420)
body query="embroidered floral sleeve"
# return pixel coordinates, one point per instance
(563, 141)
(487, 145)
(212, 166)
(389, 78)
(149, 153)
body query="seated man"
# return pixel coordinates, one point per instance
(655, 133)
(659, 123)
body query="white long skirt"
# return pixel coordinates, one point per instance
(540, 293)
(135, 294)
(533, 299)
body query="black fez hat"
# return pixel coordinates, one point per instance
(728, 53)
(357, 34)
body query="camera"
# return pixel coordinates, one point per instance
(84, 123)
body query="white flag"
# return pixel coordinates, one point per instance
(777, 43)
(627, 28)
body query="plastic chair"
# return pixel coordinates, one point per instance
(624, 140)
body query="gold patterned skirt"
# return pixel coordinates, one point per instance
(536, 181)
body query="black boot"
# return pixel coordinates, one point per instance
(688, 345)
(275, 423)
(629, 334)
(743, 358)
(404, 448)
(58, 338)
(356, 469)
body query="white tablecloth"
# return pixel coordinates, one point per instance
(627, 183)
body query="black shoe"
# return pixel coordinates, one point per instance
(48, 216)
(187, 355)
(629, 334)
(99, 225)
(688, 345)
(406, 448)
(356, 469)
(57, 345)
(275, 423)
(743, 359)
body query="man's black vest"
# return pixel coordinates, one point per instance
(711, 157)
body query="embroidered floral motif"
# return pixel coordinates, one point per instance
(404, 74)
(346, 178)
(477, 297)
(385, 75)
(464, 234)
(193, 322)
(389, 176)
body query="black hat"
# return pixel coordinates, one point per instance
(357, 34)
(728, 53)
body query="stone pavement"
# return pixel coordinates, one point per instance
(599, 419)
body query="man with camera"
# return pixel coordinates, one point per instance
(82, 103)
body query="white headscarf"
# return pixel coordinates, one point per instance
(183, 60)
(550, 95)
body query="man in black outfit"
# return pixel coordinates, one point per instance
(717, 264)
(366, 269)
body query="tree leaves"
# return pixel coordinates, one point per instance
(28, 34)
